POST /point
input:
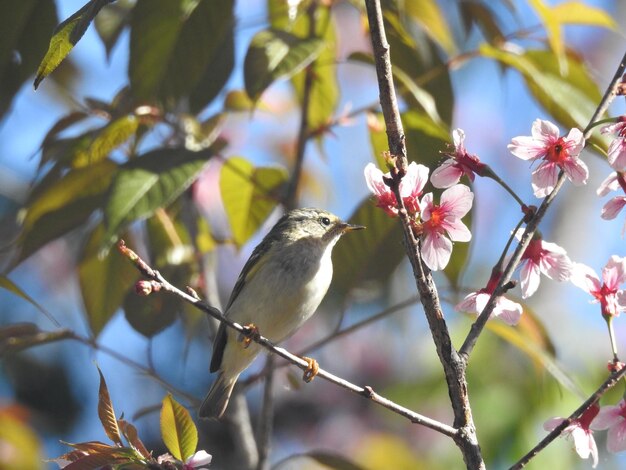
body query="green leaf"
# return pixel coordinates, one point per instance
(249, 195)
(571, 99)
(110, 137)
(474, 12)
(106, 412)
(334, 461)
(81, 183)
(574, 12)
(370, 255)
(110, 23)
(177, 429)
(151, 315)
(26, 27)
(65, 37)
(104, 281)
(8, 284)
(148, 182)
(553, 30)
(181, 48)
(20, 336)
(273, 55)
(430, 17)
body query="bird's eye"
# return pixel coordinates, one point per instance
(325, 221)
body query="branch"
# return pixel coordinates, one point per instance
(556, 432)
(159, 283)
(531, 227)
(453, 366)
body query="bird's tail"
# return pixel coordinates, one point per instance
(216, 401)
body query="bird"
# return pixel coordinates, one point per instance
(279, 288)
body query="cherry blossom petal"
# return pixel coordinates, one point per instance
(374, 180)
(555, 263)
(614, 273)
(616, 438)
(607, 417)
(526, 148)
(436, 250)
(613, 207)
(609, 184)
(458, 137)
(585, 444)
(552, 423)
(585, 278)
(544, 131)
(468, 304)
(457, 230)
(413, 182)
(457, 200)
(530, 278)
(576, 141)
(576, 171)
(617, 154)
(199, 458)
(508, 311)
(544, 178)
(446, 175)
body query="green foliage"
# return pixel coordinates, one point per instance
(177, 428)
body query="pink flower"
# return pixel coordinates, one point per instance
(612, 299)
(461, 163)
(199, 458)
(617, 148)
(506, 310)
(411, 187)
(613, 182)
(557, 153)
(444, 219)
(542, 257)
(579, 431)
(613, 418)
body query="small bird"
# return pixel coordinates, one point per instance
(279, 288)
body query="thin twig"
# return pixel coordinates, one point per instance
(556, 432)
(531, 227)
(161, 284)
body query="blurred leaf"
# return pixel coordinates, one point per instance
(78, 184)
(387, 451)
(146, 183)
(370, 255)
(150, 315)
(180, 48)
(480, 14)
(430, 17)
(177, 429)
(571, 99)
(96, 461)
(17, 337)
(273, 55)
(574, 12)
(334, 461)
(107, 139)
(111, 22)
(66, 121)
(106, 412)
(204, 237)
(238, 100)
(20, 443)
(130, 433)
(65, 37)
(553, 30)
(8, 284)
(26, 27)
(249, 195)
(460, 255)
(378, 138)
(103, 282)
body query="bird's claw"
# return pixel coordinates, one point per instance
(250, 332)
(312, 369)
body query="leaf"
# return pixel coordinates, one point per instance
(26, 27)
(66, 121)
(181, 48)
(430, 17)
(107, 139)
(370, 255)
(571, 99)
(275, 54)
(104, 281)
(481, 15)
(150, 315)
(553, 30)
(249, 195)
(130, 433)
(106, 412)
(8, 284)
(65, 37)
(332, 460)
(575, 12)
(238, 100)
(177, 429)
(17, 337)
(146, 183)
(110, 23)
(95, 462)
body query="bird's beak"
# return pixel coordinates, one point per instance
(349, 228)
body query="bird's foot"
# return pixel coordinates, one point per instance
(249, 334)
(312, 369)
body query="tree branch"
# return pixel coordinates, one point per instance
(159, 283)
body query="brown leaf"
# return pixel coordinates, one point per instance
(130, 432)
(106, 412)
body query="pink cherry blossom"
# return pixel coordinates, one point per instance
(442, 224)
(612, 418)
(542, 257)
(506, 310)
(196, 460)
(579, 431)
(461, 163)
(614, 182)
(411, 187)
(617, 148)
(558, 153)
(612, 299)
